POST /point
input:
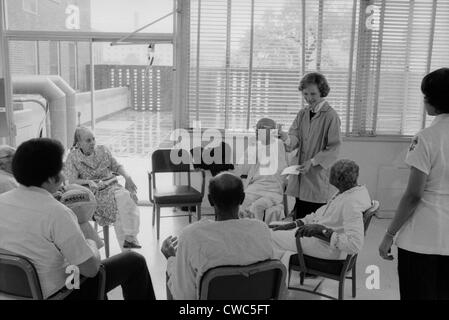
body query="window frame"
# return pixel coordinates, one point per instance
(29, 10)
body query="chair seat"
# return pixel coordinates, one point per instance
(177, 195)
(323, 265)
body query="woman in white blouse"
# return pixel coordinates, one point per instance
(340, 221)
(421, 222)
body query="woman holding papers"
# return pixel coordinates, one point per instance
(315, 134)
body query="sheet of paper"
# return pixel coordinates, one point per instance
(278, 223)
(291, 170)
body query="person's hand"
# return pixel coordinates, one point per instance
(58, 195)
(101, 185)
(310, 230)
(385, 247)
(283, 135)
(130, 185)
(287, 226)
(305, 167)
(134, 197)
(92, 185)
(169, 247)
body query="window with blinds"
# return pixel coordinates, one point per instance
(414, 41)
(247, 57)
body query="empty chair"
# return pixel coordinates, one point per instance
(173, 195)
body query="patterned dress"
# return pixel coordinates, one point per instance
(100, 165)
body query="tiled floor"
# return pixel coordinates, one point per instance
(132, 136)
(134, 133)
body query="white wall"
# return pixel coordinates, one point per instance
(382, 168)
(107, 101)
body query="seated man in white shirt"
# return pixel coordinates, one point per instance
(7, 181)
(35, 225)
(265, 185)
(339, 222)
(207, 244)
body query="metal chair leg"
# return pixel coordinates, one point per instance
(354, 278)
(106, 240)
(198, 210)
(289, 276)
(341, 289)
(158, 217)
(154, 213)
(190, 215)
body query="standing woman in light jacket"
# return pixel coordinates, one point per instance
(421, 222)
(315, 133)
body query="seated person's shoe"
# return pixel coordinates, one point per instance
(131, 245)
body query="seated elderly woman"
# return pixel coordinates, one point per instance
(264, 184)
(95, 167)
(340, 221)
(7, 181)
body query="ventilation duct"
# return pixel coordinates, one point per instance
(70, 104)
(56, 98)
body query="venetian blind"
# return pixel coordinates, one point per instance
(247, 57)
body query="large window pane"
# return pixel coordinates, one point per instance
(129, 66)
(250, 56)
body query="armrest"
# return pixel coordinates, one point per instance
(321, 237)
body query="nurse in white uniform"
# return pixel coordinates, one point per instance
(420, 228)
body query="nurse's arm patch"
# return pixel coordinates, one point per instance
(413, 145)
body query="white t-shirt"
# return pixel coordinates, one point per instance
(207, 244)
(35, 225)
(7, 182)
(427, 231)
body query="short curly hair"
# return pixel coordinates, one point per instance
(318, 79)
(344, 174)
(435, 87)
(37, 160)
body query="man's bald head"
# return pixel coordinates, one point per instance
(226, 192)
(266, 123)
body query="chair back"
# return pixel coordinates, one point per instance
(368, 214)
(161, 160)
(258, 281)
(18, 277)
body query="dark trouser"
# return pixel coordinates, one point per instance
(423, 276)
(128, 270)
(303, 208)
